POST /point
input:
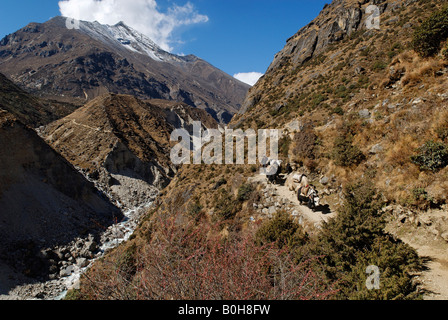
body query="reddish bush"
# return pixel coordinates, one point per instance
(305, 143)
(186, 263)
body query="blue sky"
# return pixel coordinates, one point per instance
(237, 36)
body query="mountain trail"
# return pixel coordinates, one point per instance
(89, 127)
(435, 279)
(315, 219)
(429, 239)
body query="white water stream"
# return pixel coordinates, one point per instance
(119, 233)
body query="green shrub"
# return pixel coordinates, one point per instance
(395, 50)
(432, 156)
(338, 110)
(281, 230)
(430, 34)
(363, 81)
(379, 65)
(126, 263)
(421, 198)
(442, 131)
(356, 239)
(273, 112)
(341, 91)
(305, 143)
(420, 194)
(244, 192)
(284, 145)
(445, 51)
(345, 153)
(225, 206)
(73, 294)
(195, 209)
(317, 99)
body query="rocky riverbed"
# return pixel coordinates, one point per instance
(67, 263)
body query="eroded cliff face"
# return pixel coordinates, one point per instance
(336, 21)
(44, 201)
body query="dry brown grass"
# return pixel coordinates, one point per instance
(399, 153)
(418, 69)
(411, 69)
(439, 124)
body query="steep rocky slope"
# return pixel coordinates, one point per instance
(361, 93)
(53, 61)
(44, 201)
(28, 109)
(123, 143)
(338, 21)
(359, 103)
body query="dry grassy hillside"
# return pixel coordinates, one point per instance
(371, 101)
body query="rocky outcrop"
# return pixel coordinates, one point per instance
(337, 21)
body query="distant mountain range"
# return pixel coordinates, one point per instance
(53, 61)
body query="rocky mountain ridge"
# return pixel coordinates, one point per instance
(53, 61)
(337, 21)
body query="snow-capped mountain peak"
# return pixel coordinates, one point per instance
(121, 34)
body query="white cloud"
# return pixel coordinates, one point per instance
(250, 78)
(142, 15)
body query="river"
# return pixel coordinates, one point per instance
(116, 234)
